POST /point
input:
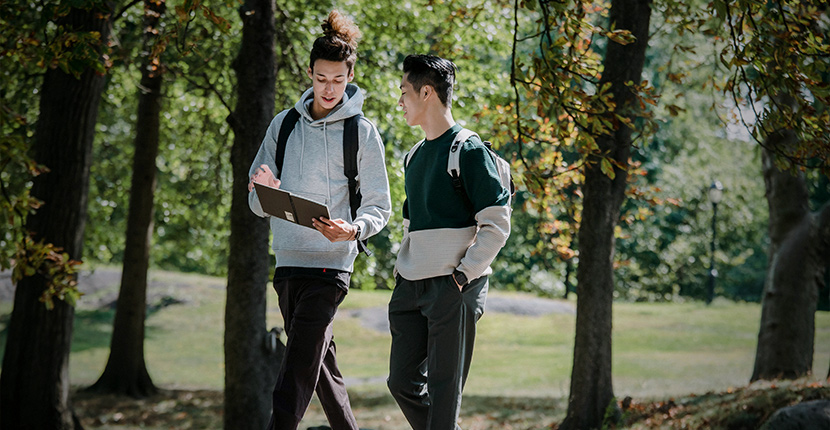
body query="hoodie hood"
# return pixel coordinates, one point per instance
(349, 106)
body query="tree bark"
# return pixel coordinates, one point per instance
(126, 371)
(34, 384)
(797, 260)
(250, 369)
(591, 392)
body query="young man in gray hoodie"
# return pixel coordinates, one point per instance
(450, 238)
(313, 266)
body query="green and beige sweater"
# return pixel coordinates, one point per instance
(442, 231)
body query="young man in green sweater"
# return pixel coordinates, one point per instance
(450, 239)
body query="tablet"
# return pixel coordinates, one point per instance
(290, 207)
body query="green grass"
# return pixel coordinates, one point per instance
(659, 350)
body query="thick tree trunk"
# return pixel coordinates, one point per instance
(591, 393)
(126, 371)
(250, 369)
(824, 246)
(34, 384)
(797, 259)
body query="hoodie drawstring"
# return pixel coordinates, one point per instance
(326, 145)
(325, 148)
(302, 147)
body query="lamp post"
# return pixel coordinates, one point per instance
(715, 196)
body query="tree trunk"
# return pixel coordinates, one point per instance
(34, 384)
(797, 259)
(591, 393)
(569, 269)
(126, 371)
(250, 369)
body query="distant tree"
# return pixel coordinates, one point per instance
(126, 370)
(798, 254)
(34, 384)
(250, 368)
(777, 57)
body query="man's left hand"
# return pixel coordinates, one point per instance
(335, 230)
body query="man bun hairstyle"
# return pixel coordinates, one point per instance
(338, 42)
(437, 72)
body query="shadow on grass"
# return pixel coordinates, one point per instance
(92, 329)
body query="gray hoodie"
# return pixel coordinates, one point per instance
(313, 168)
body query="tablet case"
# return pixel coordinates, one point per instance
(290, 207)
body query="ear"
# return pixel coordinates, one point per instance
(351, 75)
(427, 91)
(309, 72)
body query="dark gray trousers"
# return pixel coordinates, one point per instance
(433, 327)
(308, 306)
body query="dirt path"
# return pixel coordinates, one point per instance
(376, 318)
(100, 288)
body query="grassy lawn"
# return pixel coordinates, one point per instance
(659, 350)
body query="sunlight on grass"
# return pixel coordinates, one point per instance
(658, 349)
(183, 340)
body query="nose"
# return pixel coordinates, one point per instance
(400, 101)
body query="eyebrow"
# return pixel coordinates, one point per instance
(335, 76)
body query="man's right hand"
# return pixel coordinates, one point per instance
(263, 175)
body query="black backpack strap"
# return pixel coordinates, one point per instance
(350, 147)
(287, 126)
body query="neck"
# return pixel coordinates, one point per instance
(437, 124)
(318, 112)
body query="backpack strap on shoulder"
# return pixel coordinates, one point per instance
(411, 152)
(454, 161)
(350, 148)
(350, 168)
(454, 164)
(286, 127)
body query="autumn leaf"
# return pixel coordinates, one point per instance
(623, 37)
(607, 168)
(674, 110)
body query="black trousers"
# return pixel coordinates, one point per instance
(308, 305)
(433, 327)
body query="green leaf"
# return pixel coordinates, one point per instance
(607, 168)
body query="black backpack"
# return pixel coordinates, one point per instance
(349, 159)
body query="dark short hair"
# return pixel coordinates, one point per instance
(431, 70)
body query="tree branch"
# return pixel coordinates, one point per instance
(123, 10)
(513, 82)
